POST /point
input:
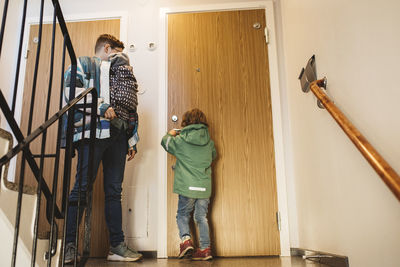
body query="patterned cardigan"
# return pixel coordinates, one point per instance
(92, 72)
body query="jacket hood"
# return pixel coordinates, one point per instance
(196, 134)
(119, 59)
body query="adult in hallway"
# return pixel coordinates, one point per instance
(116, 136)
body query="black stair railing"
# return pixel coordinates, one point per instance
(81, 102)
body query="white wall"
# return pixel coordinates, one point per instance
(342, 205)
(7, 219)
(8, 199)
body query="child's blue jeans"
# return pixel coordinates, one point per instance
(185, 207)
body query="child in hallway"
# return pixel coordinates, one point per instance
(194, 152)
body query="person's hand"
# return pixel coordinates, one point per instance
(131, 153)
(110, 114)
(173, 132)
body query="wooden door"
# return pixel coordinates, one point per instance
(83, 35)
(218, 62)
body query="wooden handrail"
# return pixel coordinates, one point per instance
(384, 170)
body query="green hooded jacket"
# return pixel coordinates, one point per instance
(194, 152)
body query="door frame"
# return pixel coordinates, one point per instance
(121, 15)
(268, 5)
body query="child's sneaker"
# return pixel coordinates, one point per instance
(123, 253)
(186, 248)
(202, 255)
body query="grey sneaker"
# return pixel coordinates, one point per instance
(123, 253)
(70, 253)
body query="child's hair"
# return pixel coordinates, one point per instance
(194, 116)
(108, 39)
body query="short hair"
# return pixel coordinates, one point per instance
(194, 116)
(108, 39)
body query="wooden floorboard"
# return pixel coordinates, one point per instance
(217, 262)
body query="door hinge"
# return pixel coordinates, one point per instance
(278, 220)
(26, 53)
(266, 34)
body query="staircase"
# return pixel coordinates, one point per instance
(56, 199)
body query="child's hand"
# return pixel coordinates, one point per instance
(173, 132)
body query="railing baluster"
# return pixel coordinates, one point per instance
(63, 204)
(70, 126)
(57, 160)
(43, 148)
(3, 24)
(53, 223)
(91, 176)
(59, 141)
(64, 30)
(18, 212)
(33, 96)
(62, 74)
(21, 41)
(69, 135)
(80, 176)
(32, 106)
(37, 215)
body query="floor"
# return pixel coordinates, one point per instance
(218, 262)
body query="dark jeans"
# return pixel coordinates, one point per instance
(112, 152)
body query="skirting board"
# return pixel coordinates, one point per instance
(149, 254)
(321, 257)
